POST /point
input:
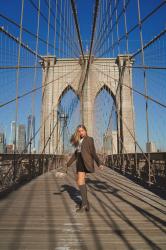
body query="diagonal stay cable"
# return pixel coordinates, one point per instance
(10, 67)
(131, 67)
(124, 123)
(100, 32)
(163, 32)
(132, 29)
(21, 43)
(138, 92)
(31, 33)
(34, 90)
(43, 123)
(67, 32)
(106, 32)
(24, 29)
(111, 114)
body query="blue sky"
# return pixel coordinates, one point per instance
(155, 55)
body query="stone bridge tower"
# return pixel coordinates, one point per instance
(61, 74)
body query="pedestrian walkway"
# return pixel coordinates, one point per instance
(41, 215)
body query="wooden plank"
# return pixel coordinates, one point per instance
(123, 215)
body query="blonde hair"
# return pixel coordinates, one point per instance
(74, 139)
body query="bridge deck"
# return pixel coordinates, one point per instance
(41, 215)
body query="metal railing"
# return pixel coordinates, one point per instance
(136, 166)
(18, 169)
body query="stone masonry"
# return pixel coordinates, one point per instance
(59, 75)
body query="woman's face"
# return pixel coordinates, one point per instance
(81, 132)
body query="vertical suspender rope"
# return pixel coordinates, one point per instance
(55, 27)
(125, 26)
(145, 83)
(34, 80)
(17, 87)
(48, 28)
(117, 28)
(112, 34)
(127, 51)
(52, 89)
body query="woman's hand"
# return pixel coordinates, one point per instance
(101, 167)
(66, 167)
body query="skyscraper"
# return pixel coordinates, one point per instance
(31, 132)
(110, 142)
(21, 138)
(2, 143)
(13, 133)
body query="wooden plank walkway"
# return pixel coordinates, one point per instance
(41, 215)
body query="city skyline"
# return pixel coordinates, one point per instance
(20, 136)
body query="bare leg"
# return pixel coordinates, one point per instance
(81, 178)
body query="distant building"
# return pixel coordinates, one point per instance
(114, 142)
(13, 133)
(107, 143)
(110, 142)
(9, 148)
(21, 138)
(2, 143)
(151, 147)
(31, 133)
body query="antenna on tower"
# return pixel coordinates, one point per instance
(87, 50)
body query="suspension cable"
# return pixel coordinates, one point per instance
(77, 27)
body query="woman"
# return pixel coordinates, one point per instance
(85, 154)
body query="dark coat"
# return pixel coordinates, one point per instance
(88, 153)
